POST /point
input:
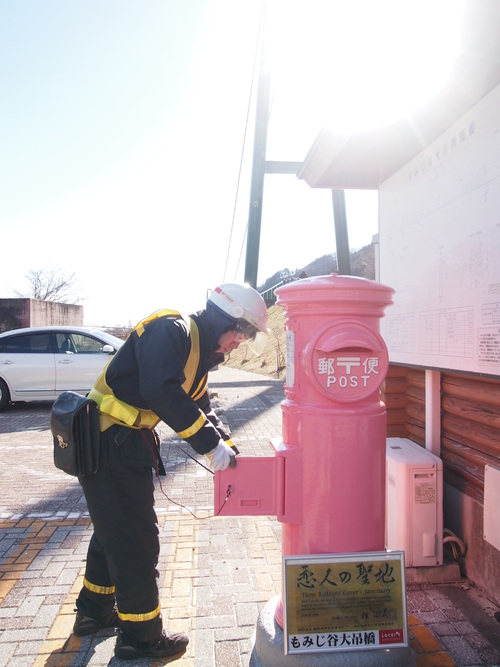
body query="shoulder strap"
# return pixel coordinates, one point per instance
(194, 355)
(159, 313)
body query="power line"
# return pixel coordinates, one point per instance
(259, 33)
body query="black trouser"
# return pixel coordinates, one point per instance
(123, 552)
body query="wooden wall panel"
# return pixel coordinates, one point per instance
(470, 430)
(393, 394)
(470, 421)
(415, 410)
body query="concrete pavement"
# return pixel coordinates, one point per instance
(216, 573)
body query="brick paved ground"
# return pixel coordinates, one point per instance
(216, 574)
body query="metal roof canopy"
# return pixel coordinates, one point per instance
(366, 159)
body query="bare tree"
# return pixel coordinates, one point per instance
(52, 285)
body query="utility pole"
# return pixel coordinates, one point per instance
(261, 167)
(341, 236)
(259, 161)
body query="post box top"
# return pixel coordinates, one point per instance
(335, 289)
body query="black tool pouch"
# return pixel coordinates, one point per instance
(74, 422)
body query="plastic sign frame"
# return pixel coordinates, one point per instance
(344, 602)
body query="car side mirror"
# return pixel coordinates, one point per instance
(108, 349)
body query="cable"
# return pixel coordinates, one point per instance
(252, 84)
(246, 226)
(453, 541)
(272, 93)
(199, 518)
(196, 461)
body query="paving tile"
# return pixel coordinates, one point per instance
(458, 646)
(216, 574)
(30, 606)
(7, 650)
(426, 640)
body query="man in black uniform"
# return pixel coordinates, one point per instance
(159, 374)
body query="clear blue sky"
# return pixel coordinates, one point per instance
(121, 130)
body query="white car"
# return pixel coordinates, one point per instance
(39, 363)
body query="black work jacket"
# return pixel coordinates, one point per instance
(148, 371)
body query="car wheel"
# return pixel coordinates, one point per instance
(4, 395)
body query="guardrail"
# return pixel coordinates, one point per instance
(268, 294)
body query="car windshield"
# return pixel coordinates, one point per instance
(112, 340)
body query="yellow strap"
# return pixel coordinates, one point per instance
(115, 411)
(138, 618)
(158, 313)
(119, 412)
(102, 590)
(194, 354)
(194, 428)
(105, 422)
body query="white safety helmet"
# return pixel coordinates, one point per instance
(241, 302)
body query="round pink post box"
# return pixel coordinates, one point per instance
(336, 363)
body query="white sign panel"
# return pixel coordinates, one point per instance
(440, 248)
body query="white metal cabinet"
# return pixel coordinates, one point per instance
(414, 503)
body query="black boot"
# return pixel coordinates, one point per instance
(87, 625)
(168, 645)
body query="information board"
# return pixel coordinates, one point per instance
(440, 248)
(344, 602)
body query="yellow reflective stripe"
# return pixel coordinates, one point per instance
(137, 618)
(194, 428)
(102, 590)
(200, 389)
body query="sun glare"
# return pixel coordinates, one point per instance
(354, 64)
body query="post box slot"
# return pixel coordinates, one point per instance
(253, 488)
(262, 486)
(254, 502)
(349, 338)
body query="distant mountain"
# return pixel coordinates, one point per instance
(362, 265)
(272, 361)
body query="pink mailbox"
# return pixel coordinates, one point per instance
(326, 481)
